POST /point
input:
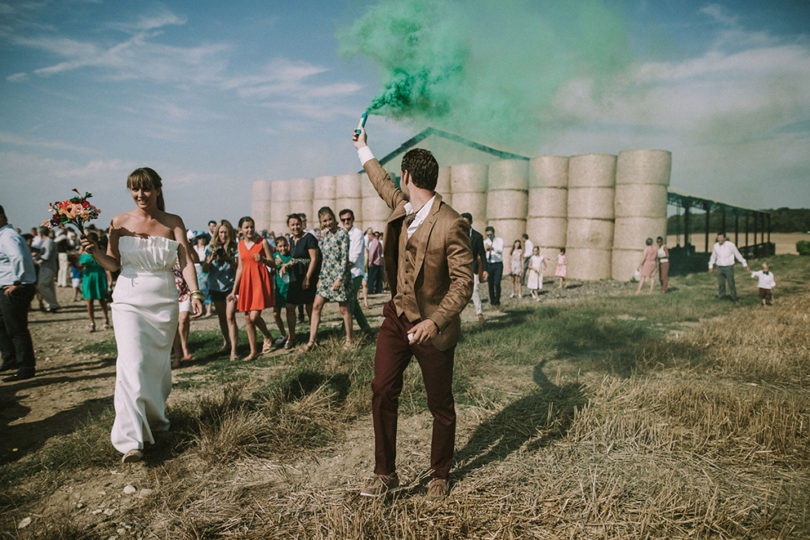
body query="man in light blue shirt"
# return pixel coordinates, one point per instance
(17, 287)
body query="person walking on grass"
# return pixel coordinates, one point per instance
(283, 261)
(76, 276)
(648, 265)
(252, 285)
(537, 266)
(724, 252)
(304, 270)
(357, 260)
(528, 249)
(493, 245)
(220, 263)
(479, 269)
(561, 271)
(334, 278)
(516, 268)
(766, 283)
(18, 280)
(94, 284)
(47, 259)
(428, 261)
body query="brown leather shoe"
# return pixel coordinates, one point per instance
(381, 484)
(438, 488)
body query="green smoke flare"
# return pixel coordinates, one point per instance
(487, 70)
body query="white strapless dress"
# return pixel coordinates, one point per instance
(144, 312)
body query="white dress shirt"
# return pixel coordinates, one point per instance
(766, 281)
(527, 249)
(495, 255)
(356, 249)
(16, 264)
(724, 255)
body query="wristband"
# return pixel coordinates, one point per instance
(198, 294)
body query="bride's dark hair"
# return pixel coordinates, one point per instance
(147, 178)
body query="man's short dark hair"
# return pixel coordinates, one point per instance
(346, 211)
(525, 236)
(44, 230)
(1, 210)
(490, 229)
(423, 168)
(467, 216)
(212, 221)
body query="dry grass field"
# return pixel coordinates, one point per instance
(586, 415)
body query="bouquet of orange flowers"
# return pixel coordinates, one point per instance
(74, 211)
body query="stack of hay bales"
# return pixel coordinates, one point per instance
(301, 196)
(589, 236)
(279, 205)
(507, 201)
(468, 184)
(547, 224)
(260, 204)
(347, 193)
(323, 194)
(642, 179)
(373, 211)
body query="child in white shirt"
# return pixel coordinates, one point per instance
(766, 283)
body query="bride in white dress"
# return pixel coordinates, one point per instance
(144, 244)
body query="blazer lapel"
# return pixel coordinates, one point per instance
(422, 234)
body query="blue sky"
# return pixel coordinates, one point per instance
(214, 95)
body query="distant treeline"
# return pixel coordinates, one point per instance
(783, 220)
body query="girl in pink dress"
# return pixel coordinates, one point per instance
(562, 269)
(648, 265)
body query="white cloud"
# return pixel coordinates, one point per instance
(20, 140)
(17, 77)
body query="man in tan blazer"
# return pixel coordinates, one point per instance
(428, 262)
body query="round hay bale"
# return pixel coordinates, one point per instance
(508, 229)
(260, 212)
(374, 209)
(301, 189)
(508, 174)
(468, 178)
(590, 203)
(279, 210)
(507, 204)
(547, 232)
(630, 233)
(353, 204)
(548, 202)
(644, 167)
(548, 172)
(317, 204)
(590, 233)
(624, 263)
(640, 200)
(347, 186)
(366, 187)
(323, 187)
(592, 170)
(260, 190)
(588, 264)
(443, 182)
(280, 190)
(475, 204)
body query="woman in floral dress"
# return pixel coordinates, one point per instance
(334, 279)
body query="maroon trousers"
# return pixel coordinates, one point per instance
(392, 357)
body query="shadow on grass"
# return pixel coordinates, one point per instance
(539, 418)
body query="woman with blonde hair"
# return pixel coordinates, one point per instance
(220, 263)
(143, 244)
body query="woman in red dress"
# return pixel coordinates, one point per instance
(252, 285)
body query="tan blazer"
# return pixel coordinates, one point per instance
(443, 263)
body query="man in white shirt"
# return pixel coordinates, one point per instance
(723, 254)
(17, 286)
(493, 245)
(48, 266)
(357, 248)
(528, 247)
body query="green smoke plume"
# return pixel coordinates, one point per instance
(488, 70)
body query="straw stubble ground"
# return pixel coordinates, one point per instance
(587, 416)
